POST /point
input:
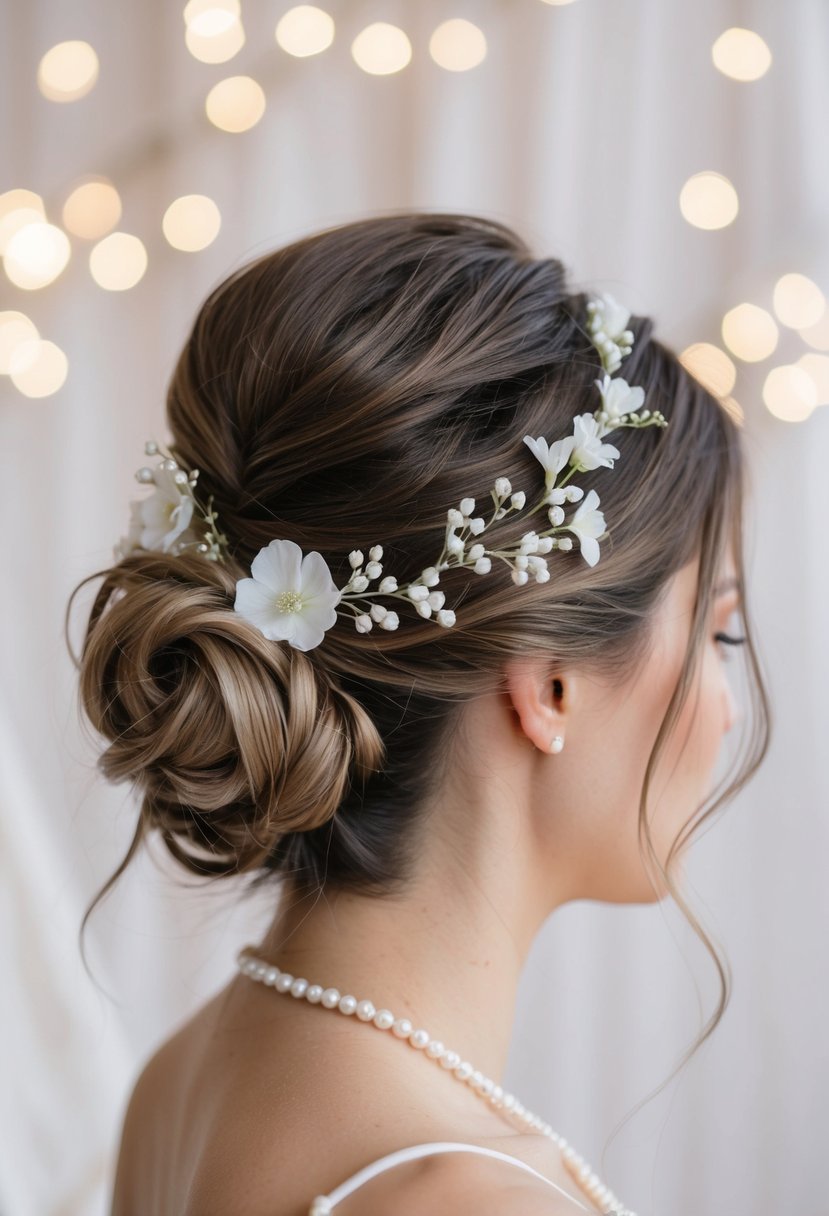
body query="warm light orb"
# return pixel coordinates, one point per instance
(15, 328)
(817, 366)
(92, 209)
(211, 18)
(36, 255)
(18, 208)
(67, 71)
(798, 301)
(38, 367)
(741, 54)
(749, 332)
(711, 366)
(816, 335)
(457, 45)
(215, 48)
(304, 30)
(381, 49)
(118, 261)
(734, 410)
(191, 222)
(789, 393)
(708, 200)
(235, 104)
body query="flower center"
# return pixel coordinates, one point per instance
(289, 601)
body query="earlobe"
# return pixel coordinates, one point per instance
(537, 699)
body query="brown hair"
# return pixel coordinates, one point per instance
(345, 391)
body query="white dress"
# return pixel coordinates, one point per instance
(325, 1204)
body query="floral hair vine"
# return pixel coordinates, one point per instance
(293, 598)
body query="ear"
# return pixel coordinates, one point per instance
(540, 697)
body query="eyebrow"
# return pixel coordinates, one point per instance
(726, 584)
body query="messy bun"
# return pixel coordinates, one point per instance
(342, 392)
(232, 741)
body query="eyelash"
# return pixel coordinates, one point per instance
(729, 641)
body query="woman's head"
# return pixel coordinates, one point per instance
(343, 392)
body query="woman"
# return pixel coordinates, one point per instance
(421, 774)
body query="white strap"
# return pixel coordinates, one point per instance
(324, 1204)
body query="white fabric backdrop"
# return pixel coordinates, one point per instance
(579, 128)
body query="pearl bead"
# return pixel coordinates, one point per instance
(402, 1028)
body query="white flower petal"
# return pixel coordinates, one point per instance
(278, 565)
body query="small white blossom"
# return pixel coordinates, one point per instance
(454, 543)
(556, 496)
(588, 450)
(363, 623)
(377, 611)
(388, 584)
(520, 577)
(417, 591)
(475, 551)
(503, 486)
(437, 599)
(446, 617)
(556, 516)
(483, 565)
(518, 499)
(477, 525)
(289, 597)
(359, 582)
(552, 456)
(390, 621)
(467, 506)
(564, 542)
(355, 558)
(573, 493)
(618, 399)
(588, 524)
(375, 553)
(424, 608)
(454, 518)
(374, 570)
(430, 576)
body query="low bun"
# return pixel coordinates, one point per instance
(234, 740)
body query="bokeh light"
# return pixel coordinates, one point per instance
(235, 104)
(18, 208)
(36, 255)
(211, 18)
(708, 200)
(457, 45)
(789, 393)
(38, 367)
(741, 54)
(15, 328)
(92, 209)
(798, 301)
(817, 335)
(711, 366)
(381, 49)
(68, 71)
(118, 261)
(215, 48)
(750, 332)
(191, 222)
(817, 366)
(304, 30)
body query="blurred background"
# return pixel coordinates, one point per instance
(673, 154)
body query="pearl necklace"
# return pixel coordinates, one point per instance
(330, 998)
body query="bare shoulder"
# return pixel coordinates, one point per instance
(465, 1184)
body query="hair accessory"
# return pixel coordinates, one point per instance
(291, 597)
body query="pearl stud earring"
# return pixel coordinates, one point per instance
(557, 743)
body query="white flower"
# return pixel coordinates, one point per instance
(588, 450)
(588, 524)
(554, 457)
(163, 519)
(607, 321)
(618, 398)
(290, 597)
